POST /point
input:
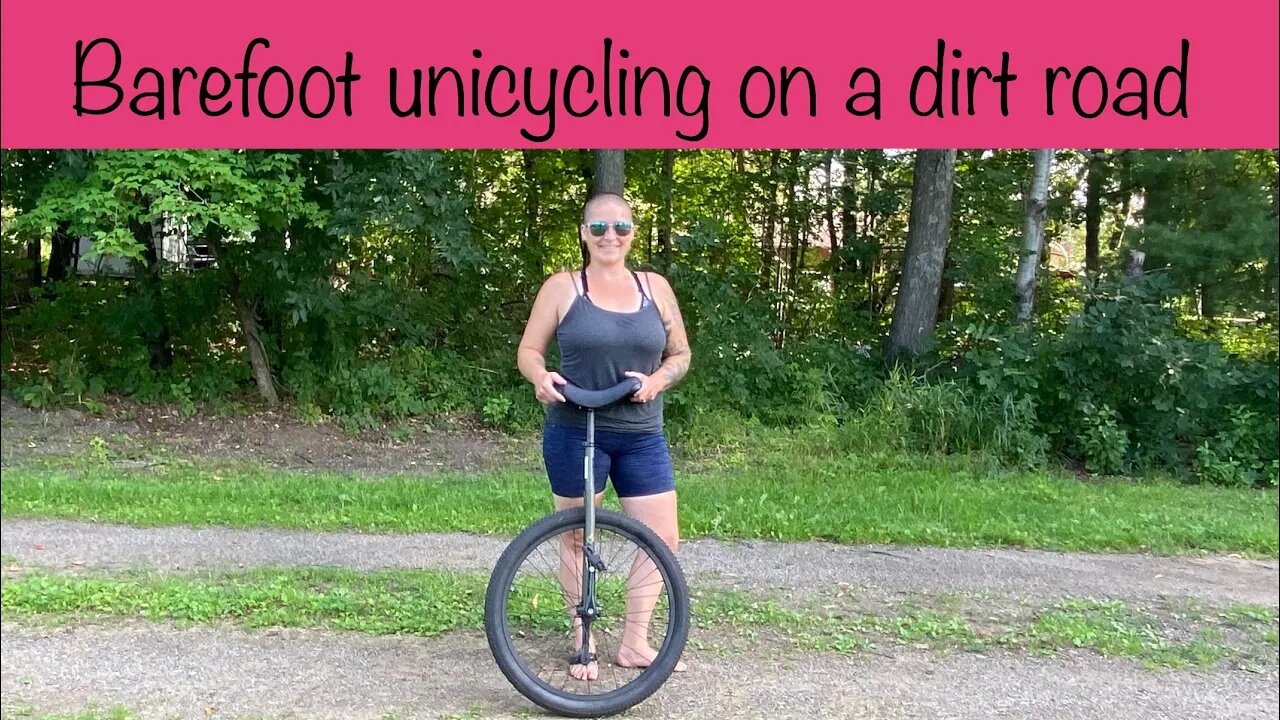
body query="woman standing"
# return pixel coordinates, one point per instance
(610, 322)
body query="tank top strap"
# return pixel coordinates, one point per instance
(644, 296)
(584, 291)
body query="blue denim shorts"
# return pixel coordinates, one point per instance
(637, 463)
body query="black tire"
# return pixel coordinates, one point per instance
(558, 700)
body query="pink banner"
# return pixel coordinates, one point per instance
(502, 74)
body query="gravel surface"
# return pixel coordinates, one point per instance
(159, 670)
(162, 672)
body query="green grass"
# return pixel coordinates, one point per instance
(425, 603)
(430, 603)
(93, 713)
(1244, 613)
(777, 496)
(1112, 628)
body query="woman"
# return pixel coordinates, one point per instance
(609, 322)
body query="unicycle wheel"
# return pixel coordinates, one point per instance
(530, 612)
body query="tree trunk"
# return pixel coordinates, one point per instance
(532, 211)
(792, 218)
(667, 185)
(1133, 268)
(1208, 304)
(156, 329)
(833, 240)
(1032, 234)
(35, 271)
(248, 323)
(62, 253)
(1093, 209)
(609, 174)
(768, 253)
(273, 319)
(1126, 198)
(916, 308)
(849, 262)
(1270, 283)
(586, 164)
(794, 239)
(849, 216)
(871, 245)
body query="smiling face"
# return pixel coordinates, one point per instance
(605, 215)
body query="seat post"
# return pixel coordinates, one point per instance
(589, 479)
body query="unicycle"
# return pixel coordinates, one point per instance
(580, 574)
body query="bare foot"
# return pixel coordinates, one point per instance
(632, 656)
(590, 671)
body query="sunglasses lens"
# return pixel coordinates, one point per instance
(598, 228)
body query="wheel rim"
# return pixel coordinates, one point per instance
(539, 630)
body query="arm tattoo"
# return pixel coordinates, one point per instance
(676, 356)
(674, 369)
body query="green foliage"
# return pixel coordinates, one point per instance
(1121, 389)
(67, 366)
(731, 326)
(1242, 452)
(1210, 221)
(390, 285)
(241, 193)
(910, 414)
(1103, 444)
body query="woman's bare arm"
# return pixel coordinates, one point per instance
(531, 357)
(677, 355)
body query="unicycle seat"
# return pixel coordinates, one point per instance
(596, 399)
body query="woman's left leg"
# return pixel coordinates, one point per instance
(643, 476)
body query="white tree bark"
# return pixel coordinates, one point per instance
(1032, 234)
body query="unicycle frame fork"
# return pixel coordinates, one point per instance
(588, 610)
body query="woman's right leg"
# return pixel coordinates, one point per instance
(562, 450)
(570, 574)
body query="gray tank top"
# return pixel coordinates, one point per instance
(597, 346)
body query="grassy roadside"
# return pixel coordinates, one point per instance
(118, 712)
(429, 603)
(778, 496)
